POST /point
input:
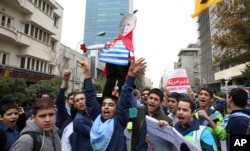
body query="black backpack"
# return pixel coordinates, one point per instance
(37, 142)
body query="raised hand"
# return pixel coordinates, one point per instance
(136, 67)
(84, 65)
(66, 75)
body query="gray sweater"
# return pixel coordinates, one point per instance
(50, 142)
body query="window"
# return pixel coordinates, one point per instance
(28, 64)
(44, 36)
(47, 42)
(22, 62)
(32, 31)
(37, 65)
(3, 20)
(41, 67)
(36, 33)
(44, 4)
(40, 34)
(26, 29)
(45, 67)
(52, 44)
(33, 64)
(55, 21)
(8, 22)
(4, 58)
(40, 3)
(50, 69)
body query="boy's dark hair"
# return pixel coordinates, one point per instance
(70, 94)
(239, 97)
(175, 95)
(208, 90)
(158, 92)
(112, 97)
(77, 93)
(5, 107)
(188, 100)
(145, 89)
(43, 103)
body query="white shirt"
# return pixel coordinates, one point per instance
(173, 117)
(65, 143)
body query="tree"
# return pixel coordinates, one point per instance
(233, 39)
(34, 91)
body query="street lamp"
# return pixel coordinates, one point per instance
(102, 33)
(84, 48)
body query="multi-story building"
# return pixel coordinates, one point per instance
(188, 60)
(30, 31)
(66, 59)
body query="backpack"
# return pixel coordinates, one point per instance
(37, 142)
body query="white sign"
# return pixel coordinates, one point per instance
(165, 138)
(178, 81)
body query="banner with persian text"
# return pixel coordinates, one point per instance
(178, 81)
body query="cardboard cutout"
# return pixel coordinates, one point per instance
(118, 53)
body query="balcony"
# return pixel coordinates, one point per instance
(14, 36)
(234, 71)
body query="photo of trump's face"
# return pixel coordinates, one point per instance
(127, 24)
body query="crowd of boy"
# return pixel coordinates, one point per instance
(79, 122)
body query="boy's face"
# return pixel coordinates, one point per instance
(153, 103)
(144, 96)
(70, 100)
(80, 102)
(45, 119)
(184, 113)
(108, 108)
(204, 98)
(10, 117)
(127, 25)
(172, 105)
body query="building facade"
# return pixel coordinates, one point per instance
(30, 31)
(30, 47)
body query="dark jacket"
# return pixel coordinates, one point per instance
(63, 117)
(138, 142)
(117, 142)
(11, 135)
(83, 121)
(237, 125)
